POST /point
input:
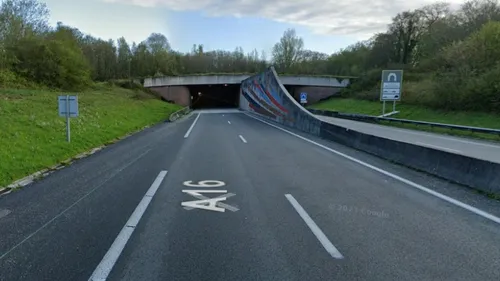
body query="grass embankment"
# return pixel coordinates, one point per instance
(33, 136)
(419, 113)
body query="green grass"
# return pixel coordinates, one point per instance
(32, 135)
(413, 112)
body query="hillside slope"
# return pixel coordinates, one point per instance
(33, 136)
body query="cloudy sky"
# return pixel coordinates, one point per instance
(325, 25)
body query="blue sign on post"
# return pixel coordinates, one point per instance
(392, 83)
(68, 107)
(303, 97)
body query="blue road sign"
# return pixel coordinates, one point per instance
(68, 106)
(392, 84)
(303, 97)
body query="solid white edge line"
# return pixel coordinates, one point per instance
(396, 177)
(192, 126)
(329, 247)
(242, 138)
(106, 265)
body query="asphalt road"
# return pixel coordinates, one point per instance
(293, 210)
(469, 147)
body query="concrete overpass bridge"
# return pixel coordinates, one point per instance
(222, 91)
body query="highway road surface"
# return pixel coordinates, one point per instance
(224, 196)
(469, 147)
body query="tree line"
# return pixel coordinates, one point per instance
(32, 52)
(450, 57)
(63, 57)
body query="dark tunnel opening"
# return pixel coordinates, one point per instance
(214, 96)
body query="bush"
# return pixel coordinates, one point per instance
(9, 79)
(369, 80)
(51, 62)
(482, 93)
(469, 78)
(142, 92)
(418, 92)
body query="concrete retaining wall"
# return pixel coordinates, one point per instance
(263, 94)
(478, 174)
(178, 94)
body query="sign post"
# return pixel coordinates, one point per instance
(68, 107)
(392, 84)
(303, 98)
(68, 130)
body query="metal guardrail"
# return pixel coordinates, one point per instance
(179, 113)
(376, 119)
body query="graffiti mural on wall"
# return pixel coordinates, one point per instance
(264, 95)
(261, 94)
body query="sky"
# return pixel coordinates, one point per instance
(325, 25)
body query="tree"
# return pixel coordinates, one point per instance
(142, 61)
(312, 63)
(157, 43)
(450, 58)
(475, 13)
(21, 18)
(54, 63)
(288, 51)
(124, 59)
(18, 19)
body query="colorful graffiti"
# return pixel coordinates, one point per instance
(264, 95)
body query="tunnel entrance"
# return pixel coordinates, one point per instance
(214, 96)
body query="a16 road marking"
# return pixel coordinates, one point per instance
(205, 203)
